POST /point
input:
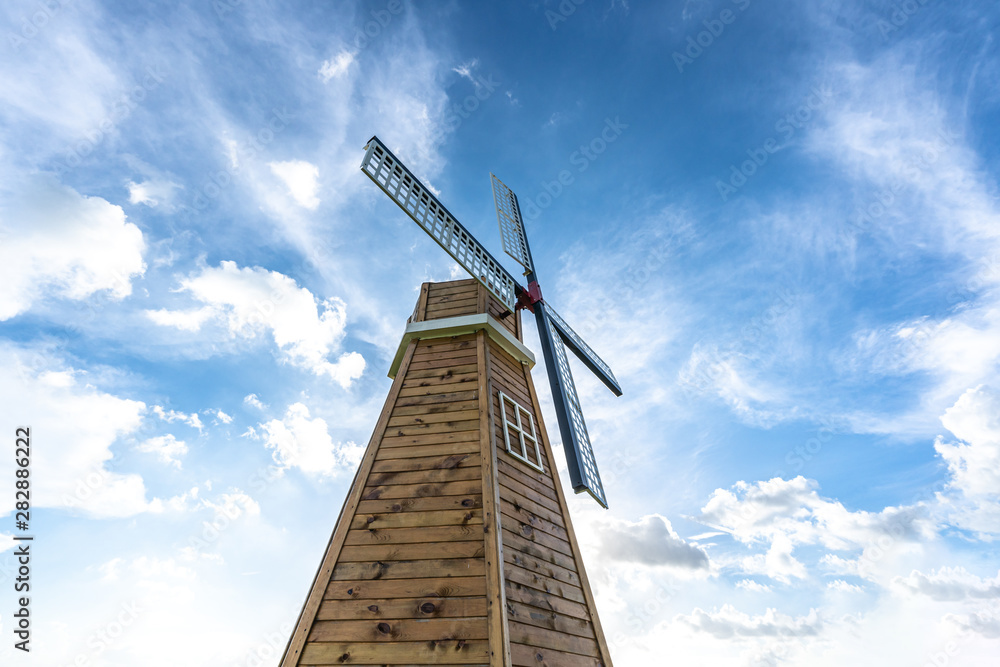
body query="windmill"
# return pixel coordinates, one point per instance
(455, 545)
(386, 170)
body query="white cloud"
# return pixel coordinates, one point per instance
(650, 541)
(727, 623)
(973, 500)
(167, 449)
(985, 623)
(172, 416)
(726, 374)
(298, 441)
(233, 505)
(185, 320)
(778, 563)
(302, 180)
(67, 245)
(253, 401)
(80, 425)
(950, 583)
(793, 508)
(89, 87)
(252, 300)
(223, 417)
(841, 586)
(465, 69)
(337, 66)
(153, 192)
(752, 586)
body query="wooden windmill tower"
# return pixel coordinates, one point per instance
(455, 546)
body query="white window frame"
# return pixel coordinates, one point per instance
(522, 435)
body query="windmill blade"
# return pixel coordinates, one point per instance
(416, 200)
(583, 351)
(580, 459)
(515, 242)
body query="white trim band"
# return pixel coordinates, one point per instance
(456, 326)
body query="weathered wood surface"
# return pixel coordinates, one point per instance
(401, 630)
(470, 501)
(442, 587)
(377, 520)
(408, 569)
(445, 652)
(449, 550)
(368, 553)
(425, 607)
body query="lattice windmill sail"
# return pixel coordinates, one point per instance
(389, 173)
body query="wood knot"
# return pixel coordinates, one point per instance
(468, 516)
(428, 608)
(468, 502)
(344, 658)
(384, 628)
(370, 519)
(397, 508)
(460, 645)
(373, 608)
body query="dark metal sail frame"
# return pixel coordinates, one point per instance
(417, 201)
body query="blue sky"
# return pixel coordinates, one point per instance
(778, 223)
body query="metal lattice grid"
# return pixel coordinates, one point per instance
(515, 242)
(581, 439)
(423, 207)
(574, 340)
(521, 434)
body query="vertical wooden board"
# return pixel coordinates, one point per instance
(545, 535)
(602, 644)
(495, 592)
(496, 308)
(418, 310)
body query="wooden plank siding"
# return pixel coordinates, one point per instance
(448, 550)
(550, 615)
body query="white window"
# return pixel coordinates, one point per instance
(519, 432)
